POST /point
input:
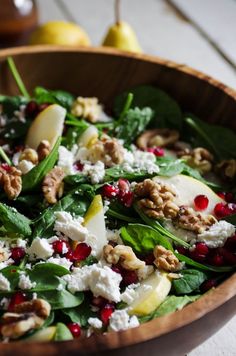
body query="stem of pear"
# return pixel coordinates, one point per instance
(117, 11)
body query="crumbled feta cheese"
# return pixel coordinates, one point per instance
(101, 280)
(25, 282)
(4, 283)
(113, 235)
(25, 166)
(69, 226)
(129, 294)
(66, 160)
(82, 155)
(95, 323)
(4, 303)
(21, 243)
(138, 160)
(61, 261)
(34, 296)
(16, 157)
(96, 171)
(120, 320)
(217, 234)
(40, 248)
(106, 204)
(53, 239)
(144, 272)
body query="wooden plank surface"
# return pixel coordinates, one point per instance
(163, 32)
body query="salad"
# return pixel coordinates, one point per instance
(109, 217)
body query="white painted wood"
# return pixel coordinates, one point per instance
(49, 10)
(217, 18)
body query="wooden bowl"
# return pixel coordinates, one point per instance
(104, 73)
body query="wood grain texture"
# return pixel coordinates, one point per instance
(104, 73)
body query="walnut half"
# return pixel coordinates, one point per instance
(197, 222)
(108, 150)
(10, 180)
(124, 255)
(199, 158)
(157, 137)
(53, 185)
(25, 317)
(166, 260)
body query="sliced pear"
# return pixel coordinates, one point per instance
(88, 137)
(187, 188)
(150, 294)
(46, 334)
(48, 125)
(94, 221)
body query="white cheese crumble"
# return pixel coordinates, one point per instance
(66, 160)
(61, 261)
(4, 283)
(69, 226)
(4, 303)
(101, 280)
(25, 166)
(25, 282)
(137, 161)
(96, 171)
(129, 294)
(95, 323)
(217, 234)
(120, 320)
(40, 249)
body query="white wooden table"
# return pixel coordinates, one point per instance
(200, 33)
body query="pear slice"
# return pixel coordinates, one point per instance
(150, 294)
(94, 221)
(88, 137)
(48, 125)
(46, 334)
(187, 188)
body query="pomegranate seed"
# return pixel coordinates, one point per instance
(17, 253)
(79, 166)
(106, 312)
(202, 248)
(81, 252)
(126, 198)
(229, 197)
(116, 269)
(207, 285)
(229, 257)
(6, 167)
(231, 244)
(70, 255)
(201, 202)
(182, 250)
(157, 151)
(196, 256)
(123, 184)
(221, 195)
(129, 277)
(74, 329)
(32, 109)
(58, 246)
(16, 299)
(109, 191)
(221, 210)
(217, 260)
(99, 302)
(149, 259)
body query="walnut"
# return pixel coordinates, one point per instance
(199, 158)
(227, 169)
(52, 186)
(10, 180)
(124, 255)
(29, 154)
(25, 317)
(4, 255)
(197, 222)
(43, 150)
(156, 199)
(166, 260)
(144, 272)
(87, 108)
(108, 150)
(157, 137)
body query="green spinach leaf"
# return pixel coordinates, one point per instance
(80, 314)
(201, 266)
(13, 221)
(60, 97)
(190, 282)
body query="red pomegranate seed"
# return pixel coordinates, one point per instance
(149, 259)
(229, 197)
(32, 109)
(17, 253)
(221, 195)
(229, 257)
(116, 269)
(217, 260)
(126, 198)
(109, 191)
(196, 256)
(231, 244)
(157, 151)
(182, 250)
(70, 255)
(129, 277)
(74, 329)
(81, 252)
(6, 167)
(99, 302)
(202, 248)
(221, 210)
(123, 184)
(16, 299)
(106, 312)
(207, 285)
(58, 246)
(79, 166)
(201, 202)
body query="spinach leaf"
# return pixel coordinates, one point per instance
(170, 305)
(167, 112)
(191, 281)
(17, 77)
(205, 267)
(48, 269)
(133, 124)
(116, 172)
(12, 273)
(220, 140)
(33, 178)
(60, 97)
(62, 333)
(75, 179)
(231, 219)
(13, 221)
(61, 299)
(170, 167)
(80, 314)
(118, 211)
(11, 103)
(143, 238)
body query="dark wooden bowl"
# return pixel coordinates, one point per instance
(105, 73)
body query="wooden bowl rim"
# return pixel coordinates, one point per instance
(171, 322)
